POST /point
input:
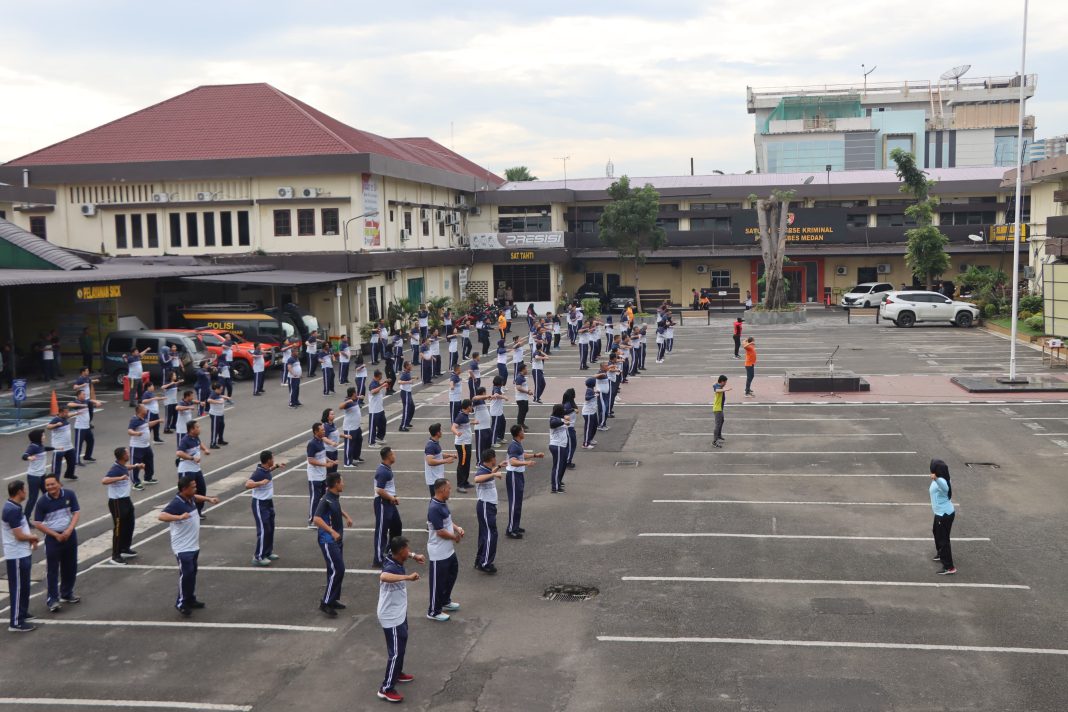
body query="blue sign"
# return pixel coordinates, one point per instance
(18, 390)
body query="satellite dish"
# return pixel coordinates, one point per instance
(975, 238)
(956, 73)
(809, 180)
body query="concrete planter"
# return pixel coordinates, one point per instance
(766, 318)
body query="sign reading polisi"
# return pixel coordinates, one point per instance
(516, 240)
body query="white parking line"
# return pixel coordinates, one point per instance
(783, 474)
(123, 704)
(801, 435)
(835, 644)
(769, 502)
(795, 452)
(276, 569)
(306, 529)
(189, 624)
(827, 582)
(843, 419)
(825, 537)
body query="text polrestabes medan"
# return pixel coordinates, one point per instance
(798, 234)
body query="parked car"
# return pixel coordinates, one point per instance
(213, 341)
(590, 291)
(620, 297)
(119, 343)
(244, 320)
(908, 307)
(866, 294)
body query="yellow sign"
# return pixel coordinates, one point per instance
(1005, 233)
(798, 234)
(525, 255)
(99, 291)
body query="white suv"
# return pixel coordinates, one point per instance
(866, 294)
(907, 308)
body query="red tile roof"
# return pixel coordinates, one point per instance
(239, 121)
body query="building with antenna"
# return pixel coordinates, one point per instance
(947, 123)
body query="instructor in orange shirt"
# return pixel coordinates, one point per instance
(750, 365)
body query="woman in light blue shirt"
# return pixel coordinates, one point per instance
(942, 503)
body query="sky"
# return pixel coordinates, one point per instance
(647, 85)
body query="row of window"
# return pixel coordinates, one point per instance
(330, 222)
(193, 223)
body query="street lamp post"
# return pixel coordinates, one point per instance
(1019, 199)
(345, 233)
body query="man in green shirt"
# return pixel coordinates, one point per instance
(719, 400)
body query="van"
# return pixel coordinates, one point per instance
(117, 344)
(244, 320)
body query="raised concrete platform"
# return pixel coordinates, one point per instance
(824, 381)
(990, 384)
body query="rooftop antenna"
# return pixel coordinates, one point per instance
(565, 159)
(866, 76)
(955, 74)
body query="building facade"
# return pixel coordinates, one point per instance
(945, 124)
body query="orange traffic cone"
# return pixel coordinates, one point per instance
(54, 408)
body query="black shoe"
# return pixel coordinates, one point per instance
(521, 530)
(489, 569)
(337, 606)
(93, 459)
(70, 477)
(128, 554)
(185, 611)
(224, 442)
(715, 443)
(571, 466)
(328, 610)
(359, 460)
(514, 535)
(72, 599)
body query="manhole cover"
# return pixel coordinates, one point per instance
(627, 463)
(569, 592)
(988, 465)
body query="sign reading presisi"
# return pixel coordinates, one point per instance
(516, 240)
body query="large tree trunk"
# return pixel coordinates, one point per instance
(637, 291)
(772, 222)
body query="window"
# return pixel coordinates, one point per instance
(175, 229)
(894, 201)
(153, 230)
(408, 222)
(119, 345)
(977, 217)
(710, 223)
(242, 228)
(372, 303)
(391, 216)
(892, 141)
(529, 283)
(137, 236)
(192, 230)
(3, 215)
(306, 222)
(894, 220)
(523, 210)
(714, 206)
(595, 278)
(721, 278)
(38, 226)
(669, 224)
(526, 223)
(668, 207)
(857, 220)
(583, 226)
(839, 203)
(120, 231)
(282, 227)
(331, 221)
(209, 229)
(226, 229)
(426, 228)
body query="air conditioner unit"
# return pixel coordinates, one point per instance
(285, 192)
(883, 268)
(309, 192)
(461, 200)
(443, 218)
(405, 235)
(475, 210)
(462, 241)
(161, 197)
(205, 196)
(389, 274)
(88, 210)
(841, 270)
(702, 269)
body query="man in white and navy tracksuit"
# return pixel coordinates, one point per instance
(344, 355)
(318, 462)
(515, 481)
(184, 523)
(311, 347)
(387, 516)
(19, 544)
(258, 365)
(393, 614)
(441, 550)
(330, 519)
(485, 479)
(261, 482)
(56, 515)
(404, 380)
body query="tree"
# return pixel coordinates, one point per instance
(773, 219)
(628, 224)
(925, 253)
(518, 174)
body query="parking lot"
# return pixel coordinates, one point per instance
(790, 570)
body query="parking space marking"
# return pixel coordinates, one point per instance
(843, 419)
(301, 529)
(821, 537)
(1038, 418)
(802, 435)
(277, 569)
(795, 452)
(124, 704)
(827, 582)
(259, 627)
(836, 644)
(361, 496)
(785, 502)
(784, 474)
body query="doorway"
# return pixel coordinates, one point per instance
(415, 290)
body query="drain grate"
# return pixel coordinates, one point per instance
(627, 463)
(569, 593)
(987, 465)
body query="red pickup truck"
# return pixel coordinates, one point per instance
(242, 367)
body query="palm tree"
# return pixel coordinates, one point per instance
(518, 174)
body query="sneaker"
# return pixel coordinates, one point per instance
(454, 606)
(117, 562)
(70, 599)
(440, 617)
(936, 558)
(53, 607)
(152, 481)
(405, 677)
(715, 443)
(602, 427)
(138, 486)
(461, 490)
(488, 569)
(359, 460)
(587, 447)
(261, 562)
(390, 696)
(571, 466)
(947, 572)
(185, 611)
(21, 628)
(514, 535)
(128, 554)
(70, 477)
(198, 605)
(337, 606)
(330, 612)
(93, 459)
(273, 557)
(521, 530)
(221, 442)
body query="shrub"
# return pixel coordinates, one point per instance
(591, 308)
(990, 311)
(1025, 314)
(1031, 303)
(1036, 322)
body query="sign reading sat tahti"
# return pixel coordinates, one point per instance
(372, 225)
(515, 240)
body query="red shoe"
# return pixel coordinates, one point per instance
(405, 677)
(390, 696)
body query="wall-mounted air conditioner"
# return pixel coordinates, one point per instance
(882, 268)
(285, 192)
(88, 210)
